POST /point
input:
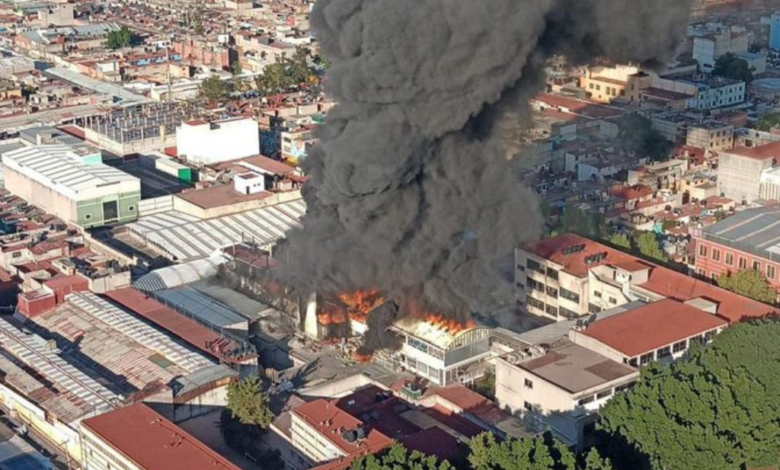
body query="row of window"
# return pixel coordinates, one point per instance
(669, 350)
(570, 296)
(605, 393)
(715, 255)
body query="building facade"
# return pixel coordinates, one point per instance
(202, 142)
(740, 170)
(62, 182)
(710, 135)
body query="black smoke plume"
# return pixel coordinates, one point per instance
(410, 192)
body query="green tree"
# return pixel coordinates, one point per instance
(398, 458)
(237, 68)
(530, 453)
(719, 408)
(731, 66)
(637, 134)
(751, 284)
(648, 245)
(273, 80)
(575, 220)
(247, 402)
(767, 122)
(122, 37)
(298, 69)
(621, 240)
(214, 90)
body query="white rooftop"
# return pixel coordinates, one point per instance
(59, 168)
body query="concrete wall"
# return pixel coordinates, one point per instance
(739, 177)
(311, 443)
(90, 212)
(155, 206)
(206, 143)
(39, 195)
(100, 455)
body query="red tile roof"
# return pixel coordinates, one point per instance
(653, 326)
(574, 264)
(680, 287)
(762, 152)
(329, 420)
(154, 443)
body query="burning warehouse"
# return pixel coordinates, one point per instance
(441, 350)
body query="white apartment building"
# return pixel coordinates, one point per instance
(707, 49)
(740, 170)
(719, 92)
(710, 135)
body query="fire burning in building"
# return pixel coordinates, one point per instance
(360, 303)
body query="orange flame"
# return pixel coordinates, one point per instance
(361, 303)
(362, 358)
(449, 324)
(332, 315)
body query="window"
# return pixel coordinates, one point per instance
(528, 406)
(703, 251)
(520, 267)
(623, 387)
(612, 300)
(16, 254)
(663, 352)
(677, 347)
(535, 266)
(566, 313)
(701, 272)
(570, 296)
(729, 259)
(520, 285)
(528, 384)
(715, 254)
(645, 359)
(757, 266)
(714, 276)
(88, 217)
(535, 285)
(552, 291)
(591, 86)
(593, 308)
(586, 400)
(531, 302)
(597, 294)
(551, 310)
(632, 362)
(742, 263)
(604, 394)
(770, 271)
(552, 274)
(131, 208)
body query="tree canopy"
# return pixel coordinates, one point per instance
(621, 240)
(720, 408)
(122, 37)
(648, 245)
(575, 220)
(530, 453)
(285, 73)
(637, 134)
(767, 122)
(214, 90)
(749, 283)
(397, 457)
(247, 402)
(731, 66)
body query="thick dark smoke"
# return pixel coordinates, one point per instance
(410, 192)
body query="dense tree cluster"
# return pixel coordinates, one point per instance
(749, 283)
(638, 135)
(120, 38)
(286, 73)
(731, 66)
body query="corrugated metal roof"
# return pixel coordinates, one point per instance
(201, 306)
(756, 228)
(186, 237)
(86, 397)
(97, 85)
(57, 167)
(180, 274)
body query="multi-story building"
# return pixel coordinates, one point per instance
(569, 276)
(76, 186)
(770, 185)
(740, 170)
(718, 92)
(710, 135)
(139, 438)
(605, 85)
(707, 49)
(561, 388)
(747, 240)
(774, 32)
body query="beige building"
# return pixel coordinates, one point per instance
(605, 84)
(561, 388)
(740, 170)
(711, 136)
